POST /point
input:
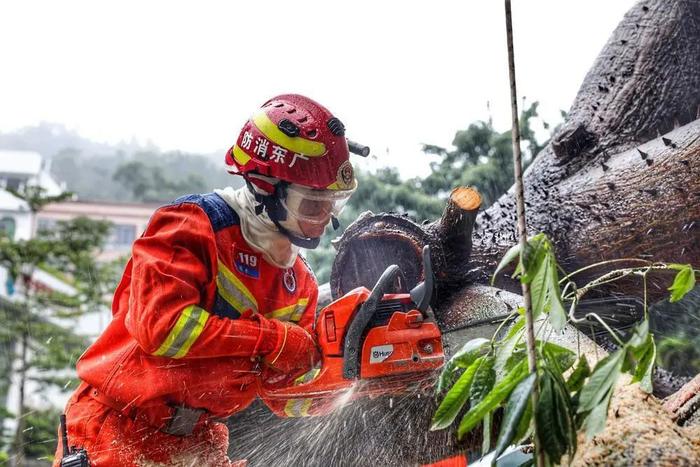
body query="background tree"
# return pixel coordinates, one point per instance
(150, 183)
(44, 347)
(482, 157)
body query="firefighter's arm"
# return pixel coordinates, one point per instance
(305, 406)
(174, 264)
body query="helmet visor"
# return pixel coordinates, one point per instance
(315, 206)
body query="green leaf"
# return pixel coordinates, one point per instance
(469, 352)
(579, 375)
(483, 381)
(539, 288)
(517, 271)
(516, 357)
(486, 434)
(557, 314)
(463, 358)
(559, 357)
(517, 403)
(683, 282)
(552, 436)
(455, 398)
(595, 421)
(524, 427)
(601, 381)
(506, 347)
(508, 258)
(533, 257)
(645, 366)
(639, 337)
(565, 410)
(499, 392)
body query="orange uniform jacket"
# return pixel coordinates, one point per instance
(194, 308)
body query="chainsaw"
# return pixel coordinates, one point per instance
(372, 343)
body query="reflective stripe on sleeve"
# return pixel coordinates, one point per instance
(308, 376)
(234, 291)
(186, 330)
(291, 312)
(300, 407)
(297, 407)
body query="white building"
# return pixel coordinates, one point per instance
(17, 170)
(128, 221)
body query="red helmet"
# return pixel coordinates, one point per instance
(294, 139)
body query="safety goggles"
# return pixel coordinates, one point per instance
(315, 206)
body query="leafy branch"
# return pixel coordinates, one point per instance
(488, 375)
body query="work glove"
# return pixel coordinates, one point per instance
(295, 354)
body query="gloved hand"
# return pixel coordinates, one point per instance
(294, 355)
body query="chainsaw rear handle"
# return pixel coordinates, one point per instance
(351, 347)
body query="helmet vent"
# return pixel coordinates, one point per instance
(302, 119)
(288, 128)
(291, 111)
(336, 126)
(311, 133)
(278, 105)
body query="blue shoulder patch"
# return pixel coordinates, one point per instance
(219, 212)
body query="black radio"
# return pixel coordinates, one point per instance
(72, 457)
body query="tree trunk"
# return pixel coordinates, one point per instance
(640, 203)
(608, 185)
(18, 441)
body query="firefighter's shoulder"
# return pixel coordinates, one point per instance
(218, 212)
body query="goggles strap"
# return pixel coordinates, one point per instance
(270, 203)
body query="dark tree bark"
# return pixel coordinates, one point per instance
(609, 185)
(640, 203)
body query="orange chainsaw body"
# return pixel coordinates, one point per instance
(399, 348)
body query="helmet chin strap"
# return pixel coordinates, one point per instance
(277, 213)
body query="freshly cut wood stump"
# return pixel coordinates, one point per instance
(373, 242)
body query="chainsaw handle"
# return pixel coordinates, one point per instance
(351, 346)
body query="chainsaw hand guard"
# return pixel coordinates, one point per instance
(351, 364)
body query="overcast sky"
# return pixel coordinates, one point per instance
(186, 75)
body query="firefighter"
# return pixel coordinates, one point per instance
(215, 300)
